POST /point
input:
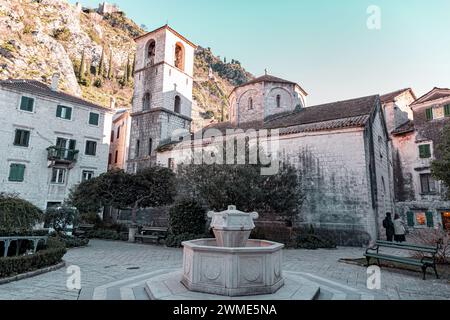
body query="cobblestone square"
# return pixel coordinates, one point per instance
(118, 270)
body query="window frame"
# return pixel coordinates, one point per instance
(90, 118)
(422, 153)
(27, 145)
(21, 101)
(429, 114)
(429, 179)
(447, 110)
(58, 175)
(59, 113)
(86, 148)
(10, 175)
(84, 172)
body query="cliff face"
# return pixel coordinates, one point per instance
(94, 54)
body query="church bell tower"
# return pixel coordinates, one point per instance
(162, 100)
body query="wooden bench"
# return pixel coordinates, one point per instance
(82, 229)
(151, 233)
(425, 263)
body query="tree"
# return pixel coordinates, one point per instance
(152, 187)
(440, 167)
(219, 186)
(129, 70)
(110, 67)
(60, 218)
(82, 69)
(101, 64)
(133, 67)
(17, 215)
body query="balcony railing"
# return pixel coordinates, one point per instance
(61, 154)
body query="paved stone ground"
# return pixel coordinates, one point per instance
(106, 265)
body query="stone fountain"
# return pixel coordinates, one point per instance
(231, 264)
(230, 267)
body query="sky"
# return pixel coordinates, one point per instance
(325, 46)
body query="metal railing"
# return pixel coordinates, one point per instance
(55, 153)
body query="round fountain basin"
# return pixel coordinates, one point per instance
(241, 271)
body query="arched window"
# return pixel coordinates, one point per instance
(179, 56)
(278, 101)
(151, 52)
(250, 103)
(146, 101)
(177, 106)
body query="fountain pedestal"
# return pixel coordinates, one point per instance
(231, 265)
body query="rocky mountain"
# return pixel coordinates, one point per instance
(94, 54)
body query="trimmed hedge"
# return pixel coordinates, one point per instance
(174, 241)
(34, 233)
(187, 217)
(103, 234)
(70, 241)
(50, 256)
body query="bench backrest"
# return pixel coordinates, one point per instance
(155, 229)
(406, 246)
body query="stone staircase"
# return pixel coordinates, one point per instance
(134, 288)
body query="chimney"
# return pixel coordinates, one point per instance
(112, 103)
(55, 81)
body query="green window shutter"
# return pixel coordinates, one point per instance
(429, 113)
(16, 172)
(425, 151)
(72, 144)
(410, 218)
(59, 111)
(447, 110)
(27, 104)
(430, 222)
(93, 118)
(69, 113)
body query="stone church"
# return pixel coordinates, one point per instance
(342, 149)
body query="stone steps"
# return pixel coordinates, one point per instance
(162, 284)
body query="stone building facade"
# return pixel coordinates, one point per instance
(120, 139)
(421, 199)
(162, 101)
(264, 97)
(341, 150)
(51, 141)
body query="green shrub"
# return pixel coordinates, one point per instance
(36, 233)
(17, 215)
(103, 234)
(98, 83)
(50, 256)
(90, 218)
(187, 217)
(62, 34)
(174, 241)
(60, 218)
(70, 241)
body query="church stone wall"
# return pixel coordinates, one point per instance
(334, 178)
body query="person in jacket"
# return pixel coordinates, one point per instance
(389, 226)
(400, 230)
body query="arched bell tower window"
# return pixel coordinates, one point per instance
(278, 101)
(146, 101)
(250, 103)
(151, 52)
(179, 56)
(177, 106)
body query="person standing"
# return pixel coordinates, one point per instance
(389, 226)
(400, 229)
